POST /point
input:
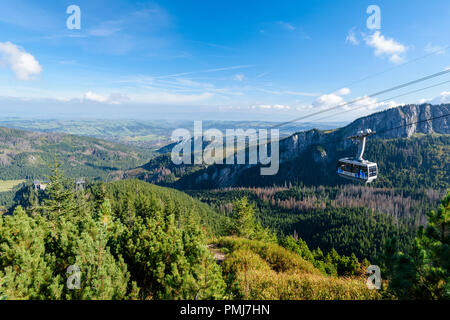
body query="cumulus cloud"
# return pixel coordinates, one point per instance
(343, 92)
(330, 100)
(444, 97)
(23, 64)
(327, 101)
(386, 47)
(365, 103)
(389, 104)
(361, 107)
(336, 99)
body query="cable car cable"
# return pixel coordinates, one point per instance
(363, 170)
(437, 51)
(382, 131)
(368, 96)
(398, 96)
(410, 124)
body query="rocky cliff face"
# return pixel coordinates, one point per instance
(400, 122)
(400, 118)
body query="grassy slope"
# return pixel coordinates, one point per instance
(258, 270)
(8, 185)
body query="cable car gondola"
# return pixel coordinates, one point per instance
(357, 168)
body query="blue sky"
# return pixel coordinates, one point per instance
(230, 60)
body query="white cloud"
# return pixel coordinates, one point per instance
(269, 107)
(146, 98)
(361, 104)
(444, 97)
(424, 100)
(389, 104)
(351, 38)
(327, 101)
(430, 48)
(281, 107)
(23, 64)
(331, 100)
(94, 97)
(343, 92)
(371, 104)
(362, 107)
(395, 58)
(386, 47)
(364, 103)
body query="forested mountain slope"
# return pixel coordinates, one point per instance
(351, 219)
(133, 240)
(185, 209)
(411, 156)
(26, 155)
(417, 162)
(129, 240)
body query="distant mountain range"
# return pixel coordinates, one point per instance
(28, 155)
(408, 147)
(152, 134)
(414, 153)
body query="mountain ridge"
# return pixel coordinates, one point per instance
(312, 145)
(26, 154)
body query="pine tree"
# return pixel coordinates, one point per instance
(60, 194)
(243, 218)
(130, 243)
(36, 250)
(26, 266)
(424, 271)
(102, 276)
